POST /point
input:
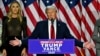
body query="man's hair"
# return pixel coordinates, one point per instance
(50, 7)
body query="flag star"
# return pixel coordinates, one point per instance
(85, 1)
(71, 2)
(25, 1)
(47, 1)
(5, 0)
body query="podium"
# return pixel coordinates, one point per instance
(50, 46)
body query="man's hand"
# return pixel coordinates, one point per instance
(4, 53)
(15, 42)
(88, 45)
(24, 53)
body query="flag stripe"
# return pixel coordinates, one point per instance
(69, 22)
(90, 15)
(31, 16)
(40, 13)
(87, 26)
(1, 14)
(76, 15)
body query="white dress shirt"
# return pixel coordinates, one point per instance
(55, 28)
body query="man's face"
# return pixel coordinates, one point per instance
(51, 13)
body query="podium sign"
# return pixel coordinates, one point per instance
(44, 46)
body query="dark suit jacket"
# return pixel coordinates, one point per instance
(41, 32)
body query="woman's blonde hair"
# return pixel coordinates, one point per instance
(19, 14)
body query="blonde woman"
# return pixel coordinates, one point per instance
(14, 26)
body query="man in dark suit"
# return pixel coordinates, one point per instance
(60, 31)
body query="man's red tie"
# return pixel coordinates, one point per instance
(52, 32)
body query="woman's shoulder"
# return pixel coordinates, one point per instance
(5, 18)
(24, 18)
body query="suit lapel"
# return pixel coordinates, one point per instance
(58, 29)
(46, 29)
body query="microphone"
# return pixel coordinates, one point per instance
(52, 20)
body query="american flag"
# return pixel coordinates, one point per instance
(89, 17)
(79, 15)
